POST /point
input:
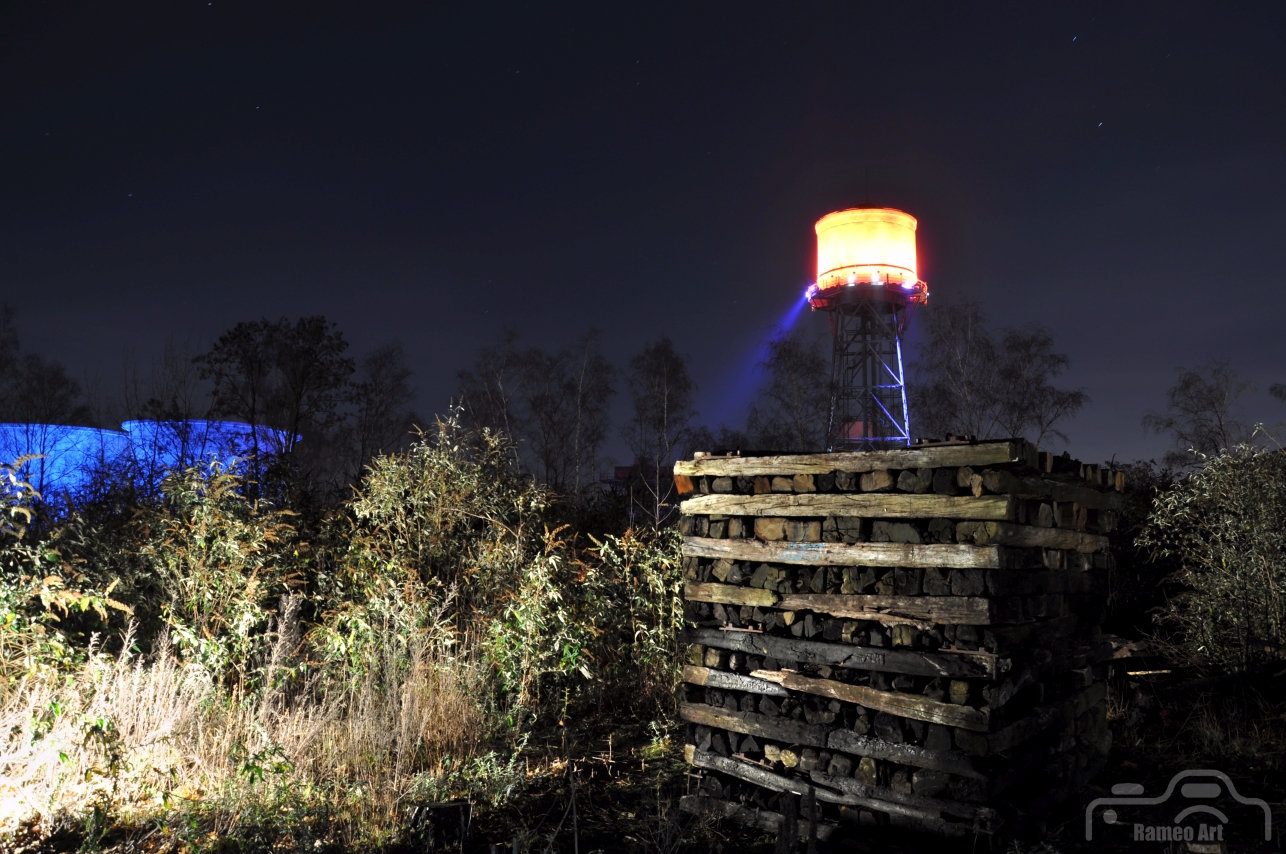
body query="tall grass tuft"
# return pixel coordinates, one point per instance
(140, 738)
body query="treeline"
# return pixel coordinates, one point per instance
(367, 616)
(968, 380)
(556, 405)
(335, 412)
(338, 412)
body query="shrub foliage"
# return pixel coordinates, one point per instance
(258, 674)
(1225, 526)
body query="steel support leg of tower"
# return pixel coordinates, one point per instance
(868, 386)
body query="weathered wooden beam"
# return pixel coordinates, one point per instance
(955, 664)
(729, 594)
(1027, 536)
(761, 776)
(910, 555)
(760, 819)
(731, 681)
(774, 683)
(915, 706)
(950, 761)
(918, 610)
(1006, 452)
(985, 816)
(960, 610)
(1009, 483)
(878, 505)
(751, 723)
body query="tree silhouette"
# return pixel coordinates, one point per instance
(969, 383)
(661, 390)
(1201, 414)
(792, 411)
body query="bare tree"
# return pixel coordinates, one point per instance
(380, 398)
(1202, 414)
(289, 376)
(174, 398)
(240, 365)
(1278, 390)
(488, 392)
(1028, 400)
(35, 390)
(567, 398)
(968, 383)
(42, 392)
(555, 406)
(45, 403)
(793, 407)
(172, 389)
(958, 389)
(549, 416)
(662, 391)
(312, 376)
(592, 378)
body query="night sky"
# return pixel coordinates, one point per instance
(432, 173)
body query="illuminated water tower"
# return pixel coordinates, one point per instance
(867, 283)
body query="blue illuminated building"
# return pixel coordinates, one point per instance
(160, 446)
(67, 459)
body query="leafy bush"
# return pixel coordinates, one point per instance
(221, 560)
(1226, 527)
(448, 537)
(38, 590)
(645, 608)
(311, 688)
(449, 533)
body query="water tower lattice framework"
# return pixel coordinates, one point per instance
(867, 283)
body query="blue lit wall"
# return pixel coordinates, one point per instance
(70, 456)
(160, 446)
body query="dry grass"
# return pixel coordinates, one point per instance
(1240, 719)
(1234, 727)
(148, 739)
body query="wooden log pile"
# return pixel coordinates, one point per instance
(906, 637)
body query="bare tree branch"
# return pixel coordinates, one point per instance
(1202, 412)
(968, 383)
(793, 407)
(662, 391)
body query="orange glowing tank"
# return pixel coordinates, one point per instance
(866, 246)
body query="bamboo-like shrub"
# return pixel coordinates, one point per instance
(1226, 525)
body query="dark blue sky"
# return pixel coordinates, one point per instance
(432, 174)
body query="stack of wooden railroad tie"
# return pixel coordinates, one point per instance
(906, 637)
